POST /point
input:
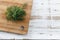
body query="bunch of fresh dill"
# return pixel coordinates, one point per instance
(16, 13)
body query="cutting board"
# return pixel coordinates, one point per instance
(19, 27)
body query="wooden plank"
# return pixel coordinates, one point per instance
(10, 26)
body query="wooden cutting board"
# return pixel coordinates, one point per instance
(19, 27)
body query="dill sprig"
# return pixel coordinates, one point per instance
(16, 13)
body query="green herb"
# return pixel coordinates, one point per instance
(24, 5)
(15, 13)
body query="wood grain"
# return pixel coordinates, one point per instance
(11, 26)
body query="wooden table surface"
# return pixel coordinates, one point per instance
(44, 22)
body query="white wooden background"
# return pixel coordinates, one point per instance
(44, 22)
